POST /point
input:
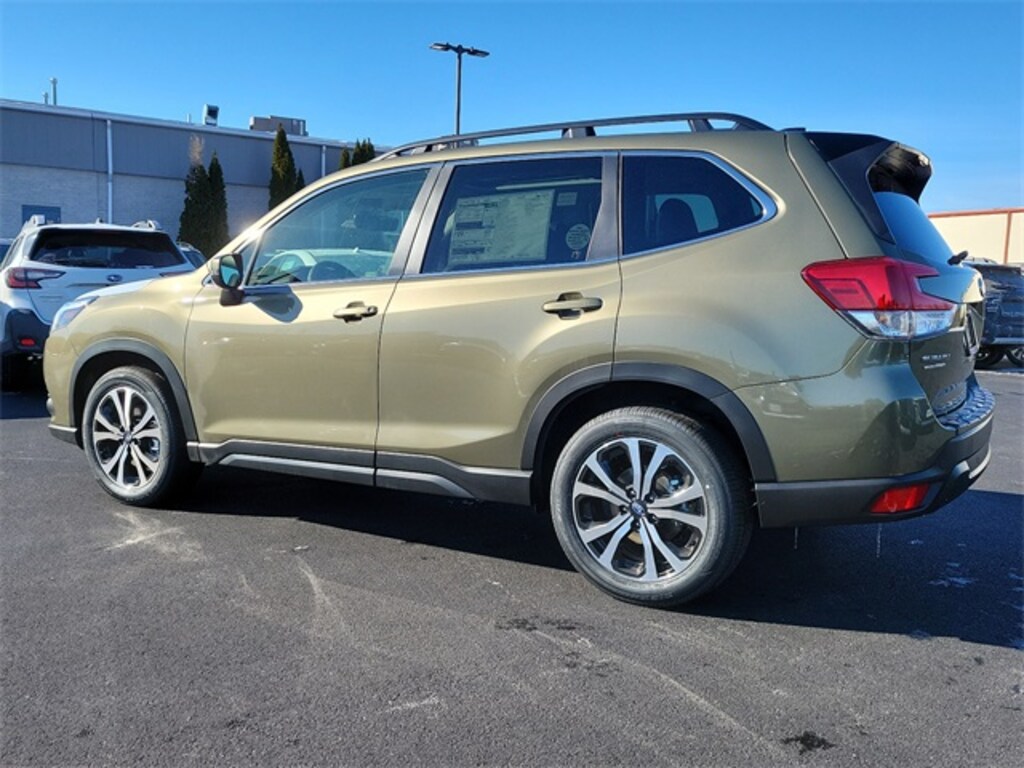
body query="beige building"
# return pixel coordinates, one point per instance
(996, 234)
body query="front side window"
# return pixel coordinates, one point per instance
(347, 232)
(672, 200)
(522, 213)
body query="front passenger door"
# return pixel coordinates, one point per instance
(296, 361)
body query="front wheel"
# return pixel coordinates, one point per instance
(650, 506)
(1016, 356)
(133, 438)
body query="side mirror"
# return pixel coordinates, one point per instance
(226, 273)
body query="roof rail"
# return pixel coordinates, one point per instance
(696, 121)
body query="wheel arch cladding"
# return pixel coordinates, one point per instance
(115, 353)
(565, 407)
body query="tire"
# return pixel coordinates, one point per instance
(1016, 356)
(988, 357)
(672, 539)
(133, 438)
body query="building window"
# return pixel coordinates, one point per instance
(52, 213)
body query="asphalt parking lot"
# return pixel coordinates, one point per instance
(279, 621)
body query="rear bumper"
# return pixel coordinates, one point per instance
(20, 327)
(954, 470)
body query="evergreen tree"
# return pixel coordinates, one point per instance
(193, 225)
(282, 170)
(363, 152)
(218, 230)
(346, 159)
(300, 181)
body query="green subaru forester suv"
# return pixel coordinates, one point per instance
(664, 338)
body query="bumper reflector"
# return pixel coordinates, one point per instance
(904, 499)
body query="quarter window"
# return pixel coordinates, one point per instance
(349, 231)
(522, 213)
(673, 200)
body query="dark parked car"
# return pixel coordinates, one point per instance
(1004, 313)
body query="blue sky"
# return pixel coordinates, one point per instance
(945, 77)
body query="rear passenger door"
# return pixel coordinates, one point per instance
(514, 287)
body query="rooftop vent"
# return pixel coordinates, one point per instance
(210, 114)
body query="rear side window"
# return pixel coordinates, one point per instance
(671, 200)
(516, 214)
(106, 249)
(911, 228)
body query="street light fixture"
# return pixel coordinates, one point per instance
(458, 50)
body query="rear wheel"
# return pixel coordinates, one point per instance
(652, 507)
(133, 438)
(988, 357)
(1016, 356)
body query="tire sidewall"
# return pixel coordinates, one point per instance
(711, 563)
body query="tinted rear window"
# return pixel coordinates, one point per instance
(911, 228)
(672, 200)
(106, 250)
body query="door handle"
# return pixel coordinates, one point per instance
(355, 312)
(570, 305)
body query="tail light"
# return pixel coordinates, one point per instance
(25, 277)
(881, 296)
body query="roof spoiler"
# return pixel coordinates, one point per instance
(868, 164)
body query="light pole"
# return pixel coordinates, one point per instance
(458, 50)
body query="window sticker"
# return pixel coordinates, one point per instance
(566, 198)
(578, 237)
(507, 227)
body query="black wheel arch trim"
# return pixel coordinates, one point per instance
(143, 349)
(731, 407)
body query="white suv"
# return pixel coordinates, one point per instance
(48, 265)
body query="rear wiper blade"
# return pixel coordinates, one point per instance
(956, 259)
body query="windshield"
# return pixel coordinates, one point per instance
(106, 249)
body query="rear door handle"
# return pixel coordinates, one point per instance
(355, 312)
(570, 305)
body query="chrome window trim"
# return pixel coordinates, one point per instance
(769, 208)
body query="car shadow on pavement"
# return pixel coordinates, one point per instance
(956, 573)
(504, 531)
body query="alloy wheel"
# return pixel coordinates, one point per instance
(639, 509)
(127, 438)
